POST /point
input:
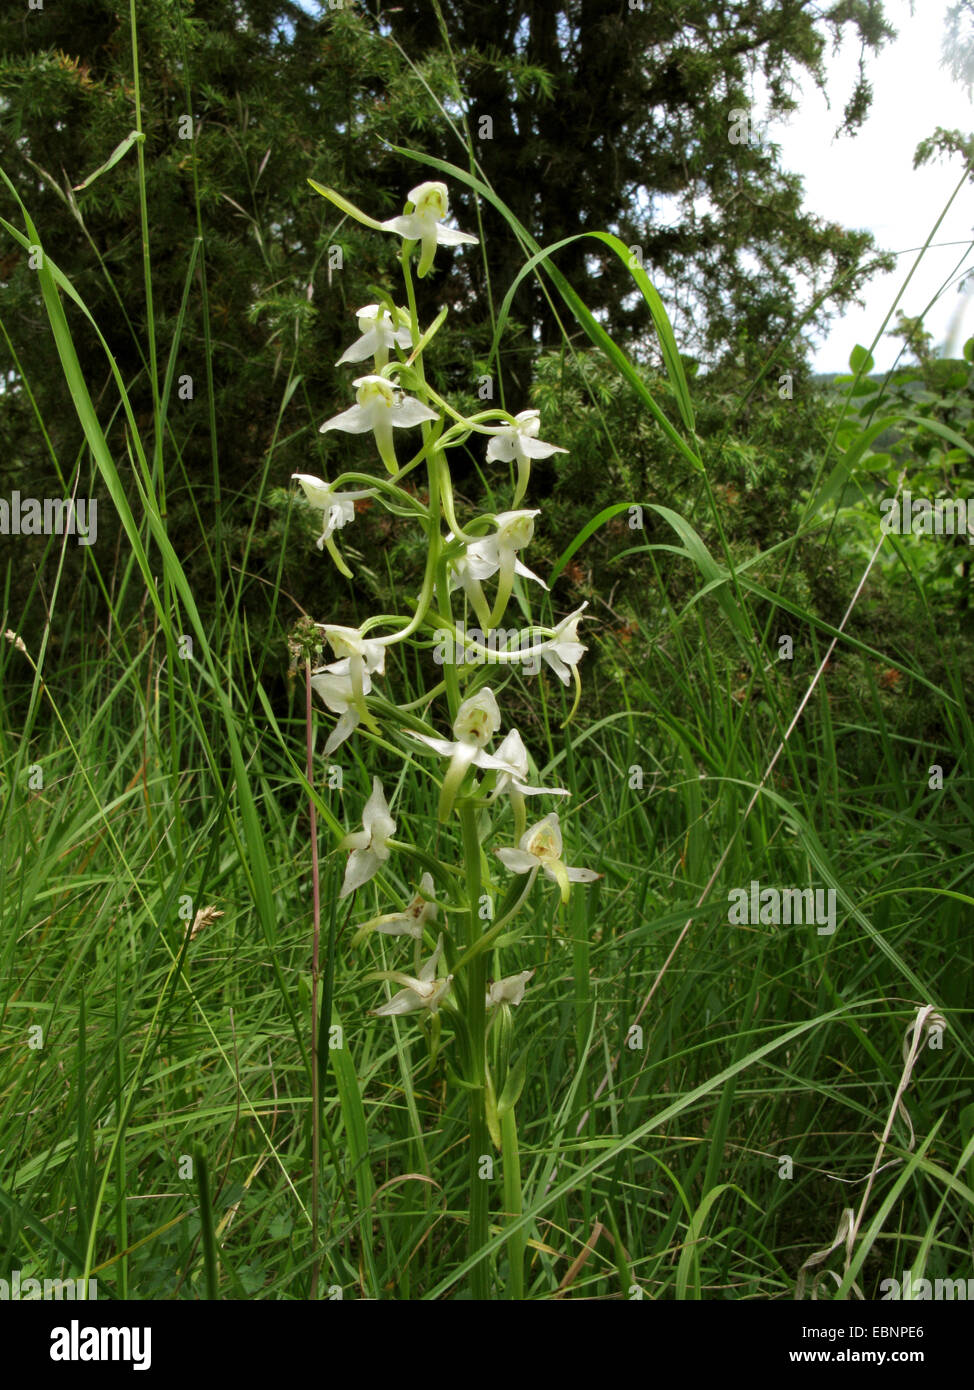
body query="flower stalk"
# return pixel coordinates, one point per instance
(476, 1020)
(315, 971)
(448, 919)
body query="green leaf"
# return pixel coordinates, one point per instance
(690, 1254)
(433, 329)
(715, 575)
(134, 137)
(348, 208)
(861, 361)
(935, 427)
(513, 1086)
(965, 1120)
(491, 1111)
(854, 445)
(587, 530)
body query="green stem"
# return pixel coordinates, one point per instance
(451, 675)
(476, 1021)
(158, 477)
(518, 1243)
(583, 986)
(315, 943)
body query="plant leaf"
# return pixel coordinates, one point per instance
(134, 137)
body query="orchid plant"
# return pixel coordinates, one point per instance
(483, 770)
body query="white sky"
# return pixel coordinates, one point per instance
(869, 181)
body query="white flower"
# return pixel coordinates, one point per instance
(564, 651)
(334, 685)
(469, 569)
(520, 441)
(358, 658)
(349, 645)
(380, 407)
(410, 921)
(513, 751)
(379, 334)
(338, 507)
(370, 845)
(483, 558)
(472, 564)
(540, 847)
(476, 723)
(422, 992)
(509, 991)
(486, 557)
(424, 224)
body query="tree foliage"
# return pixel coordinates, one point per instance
(598, 115)
(639, 129)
